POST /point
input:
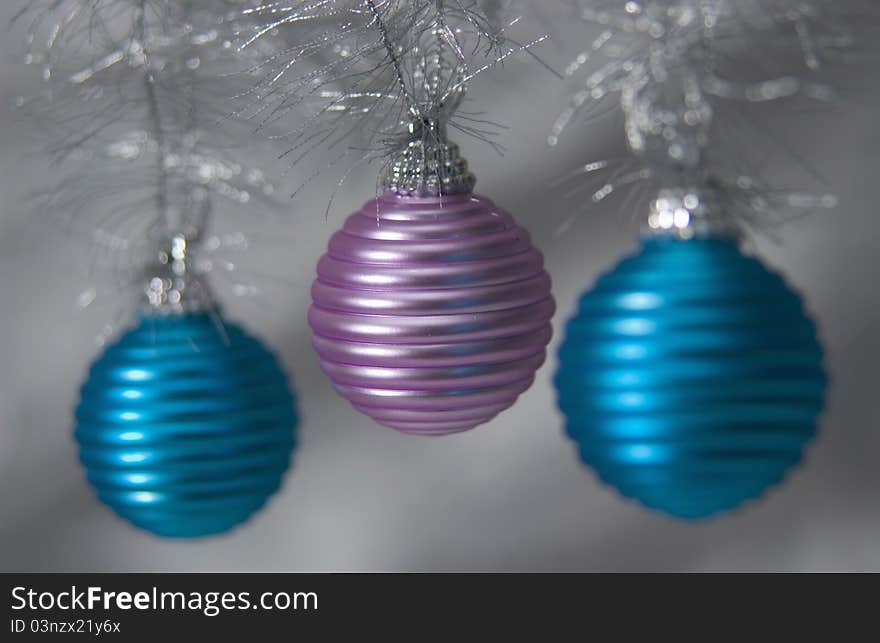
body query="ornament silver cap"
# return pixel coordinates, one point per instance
(171, 285)
(427, 164)
(687, 212)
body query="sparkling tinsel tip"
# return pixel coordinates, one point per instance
(171, 285)
(427, 164)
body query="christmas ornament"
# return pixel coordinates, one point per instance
(431, 314)
(431, 308)
(690, 376)
(185, 425)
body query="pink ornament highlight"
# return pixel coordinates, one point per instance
(431, 314)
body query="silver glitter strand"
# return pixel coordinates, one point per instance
(391, 74)
(137, 115)
(672, 62)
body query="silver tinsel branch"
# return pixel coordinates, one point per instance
(378, 77)
(685, 72)
(136, 111)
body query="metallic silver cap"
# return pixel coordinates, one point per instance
(171, 286)
(427, 165)
(689, 212)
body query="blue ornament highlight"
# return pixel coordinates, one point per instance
(690, 377)
(185, 427)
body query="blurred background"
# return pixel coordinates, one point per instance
(509, 496)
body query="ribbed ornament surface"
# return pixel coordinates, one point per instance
(690, 377)
(185, 429)
(431, 315)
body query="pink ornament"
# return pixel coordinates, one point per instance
(431, 314)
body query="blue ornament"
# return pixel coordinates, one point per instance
(690, 377)
(185, 427)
